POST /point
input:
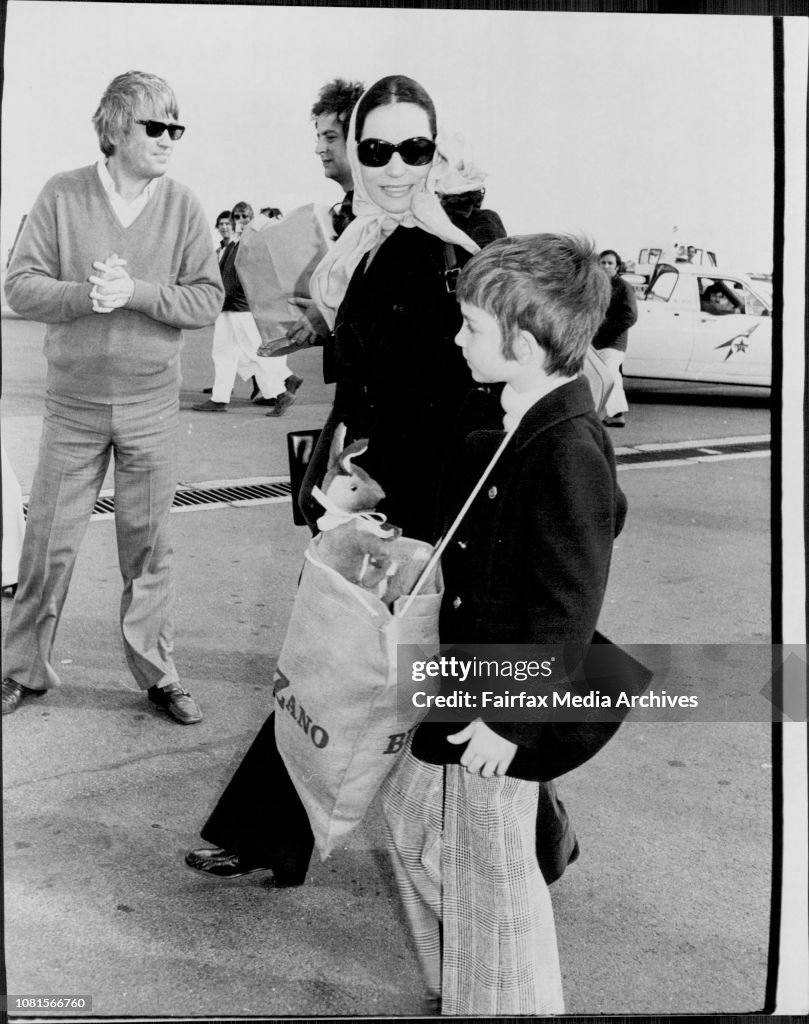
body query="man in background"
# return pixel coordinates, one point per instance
(612, 336)
(331, 113)
(224, 225)
(236, 341)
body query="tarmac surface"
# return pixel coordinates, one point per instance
(667, 909)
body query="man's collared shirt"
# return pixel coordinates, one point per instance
(126, 212)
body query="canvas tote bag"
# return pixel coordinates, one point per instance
(340, 722)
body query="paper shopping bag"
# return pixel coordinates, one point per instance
(274, 262)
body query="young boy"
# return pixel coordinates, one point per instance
(528, 564)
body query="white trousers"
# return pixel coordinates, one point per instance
(617, 402)
(235, 341)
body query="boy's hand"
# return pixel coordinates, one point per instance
(486, 752)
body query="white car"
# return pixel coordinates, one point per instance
(681, 336)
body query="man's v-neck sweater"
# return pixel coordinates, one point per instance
(128, 353)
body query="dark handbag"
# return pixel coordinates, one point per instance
(301, 446)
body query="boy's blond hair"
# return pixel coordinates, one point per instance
(549, 285)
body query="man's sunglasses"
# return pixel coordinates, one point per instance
(376, 153)
(154, 129)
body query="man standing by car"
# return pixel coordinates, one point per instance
(611, 337)
(117, 260)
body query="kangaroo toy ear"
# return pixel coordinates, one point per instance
(338, 441)
(355, 449)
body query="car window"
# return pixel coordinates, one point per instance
(753, 305)
(663, 285)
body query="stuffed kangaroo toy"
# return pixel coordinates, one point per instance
(355, 540)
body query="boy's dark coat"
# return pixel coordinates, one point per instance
(529, 563)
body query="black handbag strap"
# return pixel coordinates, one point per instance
(451, 268)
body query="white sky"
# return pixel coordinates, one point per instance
(618, 125)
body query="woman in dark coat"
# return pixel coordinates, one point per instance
(388, 290)
(387, 287)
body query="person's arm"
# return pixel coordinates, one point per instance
(311, 329)
(622, 313)
(627, 311)
(195, 300)
(569, 533)
(33, 287)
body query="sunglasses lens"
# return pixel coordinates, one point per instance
(154, 129)
(375, 152)
(417, 152)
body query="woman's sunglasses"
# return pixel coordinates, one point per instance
(376, 153)
(154, 129)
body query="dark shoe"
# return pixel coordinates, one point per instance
(432, 1006)
(210, 406)
(615, 421)
(223, 864)
(207, 391)
(178, 702)
(286, 398)
(15, 693)
(264, 401)
(218, 862)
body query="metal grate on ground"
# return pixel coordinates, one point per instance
(272, 490)
(234, 495)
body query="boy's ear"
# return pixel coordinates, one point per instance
(526, 348)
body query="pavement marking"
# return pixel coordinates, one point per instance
(660, 455)
(663, 463)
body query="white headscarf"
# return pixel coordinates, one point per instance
(372, 225)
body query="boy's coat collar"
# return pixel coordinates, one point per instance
(571, 399)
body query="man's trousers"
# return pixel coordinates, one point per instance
(78, 438)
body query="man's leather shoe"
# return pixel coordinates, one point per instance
(286, 398)
(615, 421)
(210, 406)
(224, 864)
(178, 702)
(15, 693)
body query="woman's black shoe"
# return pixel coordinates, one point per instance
(223, 864)
(215, 861)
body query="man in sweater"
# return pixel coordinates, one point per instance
(117, 260)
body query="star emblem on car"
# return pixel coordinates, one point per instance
(738, 343)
